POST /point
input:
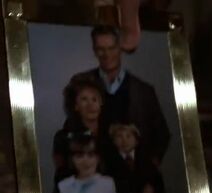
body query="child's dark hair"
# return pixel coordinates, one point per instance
(80, 144)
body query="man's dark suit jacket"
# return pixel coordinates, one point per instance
(143, 111)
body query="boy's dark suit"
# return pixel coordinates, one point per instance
(132, 179)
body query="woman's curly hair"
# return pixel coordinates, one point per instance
(76, 84)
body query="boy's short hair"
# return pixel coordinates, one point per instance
(114, 128)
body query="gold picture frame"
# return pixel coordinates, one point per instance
(22, 105)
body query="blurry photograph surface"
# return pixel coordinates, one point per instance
(106, 121)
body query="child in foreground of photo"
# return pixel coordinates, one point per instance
(84, 158)
(131, 170)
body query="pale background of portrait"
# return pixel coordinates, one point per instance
(57, 52)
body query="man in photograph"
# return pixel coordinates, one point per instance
(126, 97)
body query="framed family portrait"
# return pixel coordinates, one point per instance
(88, 117)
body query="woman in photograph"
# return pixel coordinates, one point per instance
(84, 158)
(82, 101)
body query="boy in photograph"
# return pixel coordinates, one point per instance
(131, 170)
